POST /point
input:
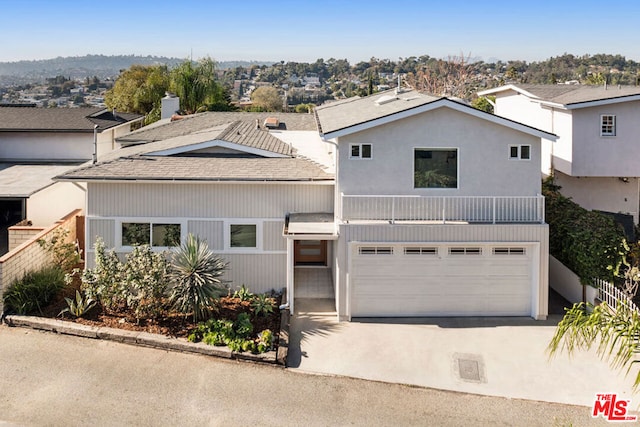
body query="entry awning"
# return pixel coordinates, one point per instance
(320, 224)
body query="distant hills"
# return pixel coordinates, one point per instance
(102, 66)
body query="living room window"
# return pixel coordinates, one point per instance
(520, 152)
(148, 233)
(360, 151)
(243, 236)
(435, 168)
(607, 125)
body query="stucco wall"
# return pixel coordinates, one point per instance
(484, 166)
(567, 283)
(595, 155)
(46, 146)
(51, 203)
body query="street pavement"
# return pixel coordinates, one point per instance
(48, 379)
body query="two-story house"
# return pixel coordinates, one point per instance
(413, 203)
(598, 129)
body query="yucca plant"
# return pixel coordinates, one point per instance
(196, 277)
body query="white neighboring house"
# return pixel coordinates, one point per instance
(595, 157)
(37, 144)
(412, 203)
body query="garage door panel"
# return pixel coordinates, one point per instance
(446, 284)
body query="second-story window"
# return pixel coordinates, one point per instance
(607, 125)
(520, 152)
(360, 151)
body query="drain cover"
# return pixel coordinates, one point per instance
(469, 367)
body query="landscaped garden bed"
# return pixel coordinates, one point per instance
(176, 295)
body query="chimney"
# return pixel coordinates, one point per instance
(170, 105)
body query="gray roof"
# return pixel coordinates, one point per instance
(23, 180)
(353, 111)
(143, 162)
(28, 119)
(571, 94)
(217, 169)
(207, 120)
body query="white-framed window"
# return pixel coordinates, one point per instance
(243, 235)
(158, 234)
(607, 125)
(435, 168)
(520, 152)
(465, 251)
(375, 250)
(360, 151)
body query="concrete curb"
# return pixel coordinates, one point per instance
(162, 342)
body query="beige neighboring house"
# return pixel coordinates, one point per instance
(595, 157)
(411, 203)
(37, 144)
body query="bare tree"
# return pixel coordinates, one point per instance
(450, 77)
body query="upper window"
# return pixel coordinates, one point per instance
(607, 125)
(521, 152)
(360, 151)
(145, 233)
(243, 236)
(435, 168)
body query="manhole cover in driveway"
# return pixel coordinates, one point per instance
(469, 367)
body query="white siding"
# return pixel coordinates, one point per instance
(259, 272)
(207, 200)
(211, 231)
(103, 228)
(273, 240)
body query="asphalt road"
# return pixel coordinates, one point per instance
(57, 380)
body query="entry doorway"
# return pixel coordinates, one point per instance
(310, 252)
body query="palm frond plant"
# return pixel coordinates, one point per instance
(196, 278)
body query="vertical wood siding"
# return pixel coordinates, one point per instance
(273, 240)
(207, 200)
(211, 231)
(104, 228)
(260, 272)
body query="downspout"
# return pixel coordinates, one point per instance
(95, 144)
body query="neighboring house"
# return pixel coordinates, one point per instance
(411, 201)
(595, 157)
(37, 144)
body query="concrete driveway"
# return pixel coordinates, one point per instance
(488, 356)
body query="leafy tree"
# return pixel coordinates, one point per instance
(266, 98)
(197, 87)
(140, 90)
(483, 104)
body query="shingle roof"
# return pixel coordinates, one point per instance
(23, 180)
(353, 111)
(171, 168)
(572, 94)
(201, 121)
(22, 119)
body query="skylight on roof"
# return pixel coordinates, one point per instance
(385, 99)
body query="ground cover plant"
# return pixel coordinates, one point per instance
(173, 293)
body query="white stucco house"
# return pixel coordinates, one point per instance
(412, 202)
(594, 159)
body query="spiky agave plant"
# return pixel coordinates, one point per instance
(195, 275)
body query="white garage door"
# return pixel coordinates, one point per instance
(441, 280)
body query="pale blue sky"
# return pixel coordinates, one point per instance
(304, 31)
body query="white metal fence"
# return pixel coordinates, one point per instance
(613, 296)
(484, 209)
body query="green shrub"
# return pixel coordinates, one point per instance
(243, 294)
(242, 326)
(64, 254)
(34, 291)
(235, 335)
(589, 243)
(263, 305)
(195, 274)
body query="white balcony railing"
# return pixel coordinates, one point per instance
(480, 209)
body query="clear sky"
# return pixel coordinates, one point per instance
(303, 31)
